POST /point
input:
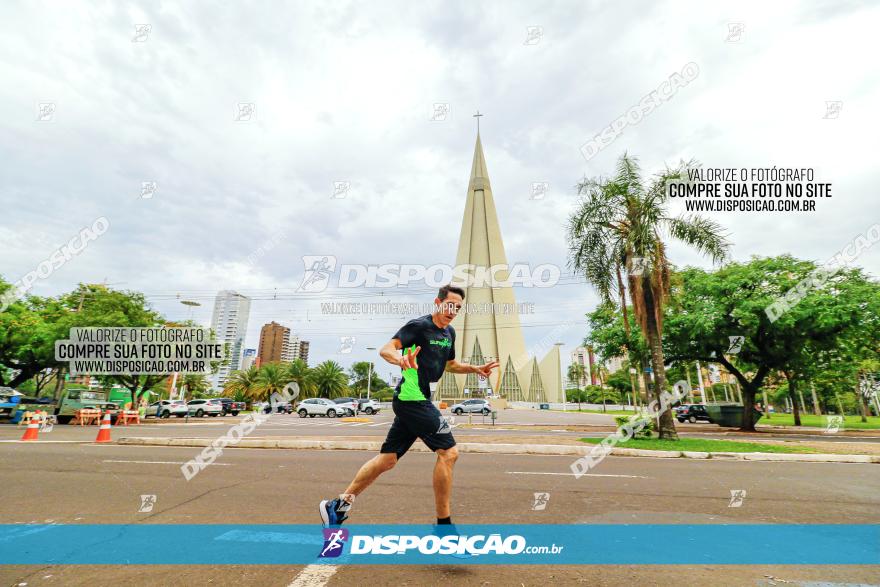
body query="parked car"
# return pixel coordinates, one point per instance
(166, 408)
(692, 413)
(320, 407)
(368, 406)
(283, 408)
(350, 405)
(231, 407)
(472, 405)
(266, 408)
(200, 407)
(280, 407)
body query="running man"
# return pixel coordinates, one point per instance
(428, 345)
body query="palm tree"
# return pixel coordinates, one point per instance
(619, 226)
(195, 383)
(329, 379)
(271, 378)
(299, 372)
(576, 373)
(244, 384)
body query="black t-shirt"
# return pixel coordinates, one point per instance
(438, 346)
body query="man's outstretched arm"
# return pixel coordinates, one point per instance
(454, 366)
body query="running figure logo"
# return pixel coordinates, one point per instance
(737, 496)
(447, 423)
(736, 344)
(541, 500)
(147, 503)
(833, 424)
(318, 269)
(638, 266)
(334, 540)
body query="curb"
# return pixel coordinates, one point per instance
(533, 449)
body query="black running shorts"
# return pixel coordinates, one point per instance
(417, 419)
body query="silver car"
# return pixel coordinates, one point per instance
(320, 407)
(479, 406)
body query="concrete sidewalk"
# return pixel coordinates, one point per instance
(581, 449)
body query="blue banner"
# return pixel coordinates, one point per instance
(527, 544)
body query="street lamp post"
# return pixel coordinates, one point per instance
(191, 305)
(370, 372)
(559, 367)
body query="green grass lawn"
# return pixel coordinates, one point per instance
(702, 445)
(851, 422)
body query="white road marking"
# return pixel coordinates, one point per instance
(314, 576)
(572, 474)
(49, 441)
(164, 463)
(379, 424)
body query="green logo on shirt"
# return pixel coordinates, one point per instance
(444, 342)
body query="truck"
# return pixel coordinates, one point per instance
(231, 407)
(76, 399)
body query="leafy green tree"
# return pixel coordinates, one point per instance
(30, 327)
(28, 330)
(597, 394)
(577, 396)
(358, 374)
(611, 337)
(384, 395)
(706, 308)
(620, 226)
(620, 381)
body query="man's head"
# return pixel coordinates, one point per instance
(448, 302)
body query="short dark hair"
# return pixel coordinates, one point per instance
(446, 289)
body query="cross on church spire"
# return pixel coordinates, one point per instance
(477, 116)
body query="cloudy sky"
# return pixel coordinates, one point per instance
(344, 92)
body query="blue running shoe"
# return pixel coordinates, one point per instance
(333, 511)
(442, 530)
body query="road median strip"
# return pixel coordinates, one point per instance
(531, 449)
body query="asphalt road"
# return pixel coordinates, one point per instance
(511, 423)
(87, 483)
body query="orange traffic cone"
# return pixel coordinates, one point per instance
(104, 431)
(32, 430)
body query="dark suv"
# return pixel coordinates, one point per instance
(692, 413)
(231, 407)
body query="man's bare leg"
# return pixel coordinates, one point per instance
(369, 472)
(443, 480)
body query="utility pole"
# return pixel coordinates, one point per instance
(559, 367)
(370, 372)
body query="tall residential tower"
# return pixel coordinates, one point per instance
(230, 322)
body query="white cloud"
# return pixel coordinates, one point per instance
(343, 93)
